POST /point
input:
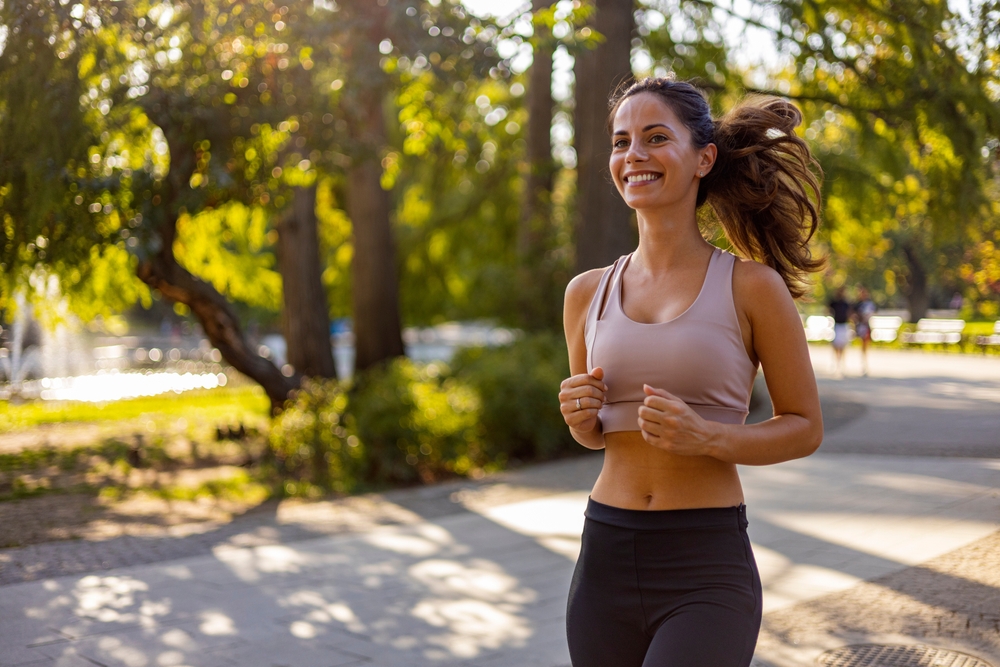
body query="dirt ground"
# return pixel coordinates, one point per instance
(89, 516)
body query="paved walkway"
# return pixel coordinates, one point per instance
(477, 573)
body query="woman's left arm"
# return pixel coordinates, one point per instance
(778, 341)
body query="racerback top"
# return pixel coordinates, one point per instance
(698, 356)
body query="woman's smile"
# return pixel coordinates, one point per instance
(641, 178)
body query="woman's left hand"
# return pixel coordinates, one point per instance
(670, 424)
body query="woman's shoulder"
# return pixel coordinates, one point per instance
(754, 275)
(583, 286)
(757, 283)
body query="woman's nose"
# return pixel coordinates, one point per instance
(636, 152)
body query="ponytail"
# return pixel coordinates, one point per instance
(765, 184)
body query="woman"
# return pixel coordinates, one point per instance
(863, 311)
(664, 346)
(840, 310)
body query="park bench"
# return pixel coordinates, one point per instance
(884, 328)
(934, 331)
(819, 327)
(990, 340)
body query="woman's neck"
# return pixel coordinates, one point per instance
(667, 241)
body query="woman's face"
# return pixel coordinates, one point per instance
(654, 162)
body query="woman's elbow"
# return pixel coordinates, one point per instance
(813, 436)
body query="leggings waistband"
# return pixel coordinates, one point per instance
(702, 517)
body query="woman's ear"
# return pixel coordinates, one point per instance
(706, 158)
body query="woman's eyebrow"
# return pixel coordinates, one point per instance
(645, 129)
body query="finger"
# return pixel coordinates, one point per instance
(663, 401)
(587, 404)
(650, 415)
(580, 417)
(597, 378)
(586, 391)
(664, 405)
(653, 428)
(582, 380)
(655, 391)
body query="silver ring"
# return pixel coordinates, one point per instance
(578, 406)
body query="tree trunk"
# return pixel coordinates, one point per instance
(604, 229)
(375, 294)
(534, 229)
(305, 318)
(916, 284)
(162, 272)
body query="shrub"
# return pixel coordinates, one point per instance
(313, 444)
(416, 422)
(398, 423)
(518, 386)
(405, 422)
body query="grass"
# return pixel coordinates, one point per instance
(224, 405)
(163, 433)
(242, 487)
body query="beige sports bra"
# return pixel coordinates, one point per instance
(698, 356)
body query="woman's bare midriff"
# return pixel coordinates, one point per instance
(638, 476)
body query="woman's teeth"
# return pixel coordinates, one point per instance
(643, 177)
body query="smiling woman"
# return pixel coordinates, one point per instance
(664, 347)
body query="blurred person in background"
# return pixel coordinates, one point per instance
(863, 311)
(840, 309)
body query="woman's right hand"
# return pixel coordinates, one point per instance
(589, 389)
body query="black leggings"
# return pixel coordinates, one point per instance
(664, 588)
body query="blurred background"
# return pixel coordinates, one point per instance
(262, 247)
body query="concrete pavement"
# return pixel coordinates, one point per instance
(477, 573)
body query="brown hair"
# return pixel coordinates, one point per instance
(765, 185)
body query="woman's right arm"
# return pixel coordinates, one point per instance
(584, 424)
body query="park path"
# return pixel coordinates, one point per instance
(864, 541)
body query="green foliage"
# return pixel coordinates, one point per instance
(313, 443)
(458, 197)
(901, 108)
(405, 423)
(231, 248)
(416, 423)
(400, 423)
(518, 386)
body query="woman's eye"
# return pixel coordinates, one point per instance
(657, 138)
(621, 143)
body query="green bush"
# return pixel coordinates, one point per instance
(405, 422)
(397, 424)
(518, 386)
(415, 423)
(313, 444)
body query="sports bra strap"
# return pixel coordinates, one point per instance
(596, 309)
(719, 279)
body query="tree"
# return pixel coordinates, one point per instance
(305, 319)
(377, 327)
(157, 77)
(604, 231)
(900, 105)
(534, 227)
(49, 214)
(193, 108)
